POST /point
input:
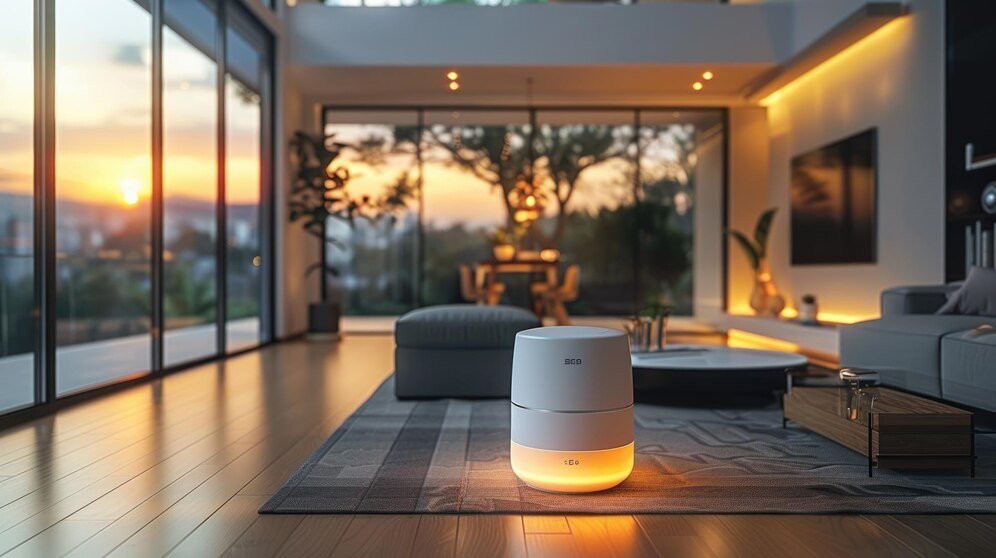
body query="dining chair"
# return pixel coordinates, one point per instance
(555, 297)
(475, 288)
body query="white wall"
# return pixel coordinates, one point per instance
(892, 80)
(295, 250)
(748, 196)
(707, 283)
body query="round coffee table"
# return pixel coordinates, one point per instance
(713, 368)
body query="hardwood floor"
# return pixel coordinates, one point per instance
(180, 467)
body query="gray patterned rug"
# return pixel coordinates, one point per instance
(451, 456)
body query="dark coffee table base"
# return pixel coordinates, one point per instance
(708, 381)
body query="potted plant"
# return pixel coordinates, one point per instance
(656, 312)
(504, 243)
(764, 298)
(808, 310)
(319, 193)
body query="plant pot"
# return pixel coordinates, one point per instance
(503, 252)
(808, 312)
(764, 298)
(323, 320)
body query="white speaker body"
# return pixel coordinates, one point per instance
(572, 408)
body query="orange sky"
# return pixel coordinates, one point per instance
(103, 110)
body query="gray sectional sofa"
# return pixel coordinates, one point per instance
(944, 356)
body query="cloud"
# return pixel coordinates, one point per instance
(130, 55)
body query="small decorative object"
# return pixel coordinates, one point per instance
(504, 243)
(656, 313)
(764, 298)
(571, 408)
(504, 252)
(550, 255)
(859, 397)
(640, 334)
(808, 310)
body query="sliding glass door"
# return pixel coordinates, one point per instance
(190, 183)
(103, 187)
(244, 90)
(17, 239)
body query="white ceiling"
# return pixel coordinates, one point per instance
(580, 85)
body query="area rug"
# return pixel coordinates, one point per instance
(451, 456)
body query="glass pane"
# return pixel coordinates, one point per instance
(196, 21)
(242, 205)
(375, 257)
(471, 159)
(103, 168)
(668, 164)
(17, 295)
(586, 163)
(190, 102)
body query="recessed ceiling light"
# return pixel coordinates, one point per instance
(454, 86)
(707, 75)
(697, 85)
(452, 75)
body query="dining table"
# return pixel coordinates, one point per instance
(492, 269)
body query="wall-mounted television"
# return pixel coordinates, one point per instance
(833, 202)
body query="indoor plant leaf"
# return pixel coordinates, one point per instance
(750, 250)
(762, 230)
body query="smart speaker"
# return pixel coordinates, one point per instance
(572, 408)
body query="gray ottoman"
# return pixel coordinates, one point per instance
(459, 350)
(968, 368)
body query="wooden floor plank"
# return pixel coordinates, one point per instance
(953, 533)
(58, 540)
(748, 536)
(316, 535)
(378, 536)
(842, 535)
(436, 536)
(610, 535)
(672, 535)
(217, 533)
(923, 544)
(486, 536)
(551, 524)
(265, 536)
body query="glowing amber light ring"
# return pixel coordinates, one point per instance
(590, 471)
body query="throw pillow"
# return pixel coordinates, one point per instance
(976, 297)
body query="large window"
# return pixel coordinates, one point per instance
(614, 193)
(137, 242)
(190, 191)
(245, 85)
(17, 298)
(103, 185)
(375, 258)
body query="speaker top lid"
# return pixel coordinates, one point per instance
(572, 368)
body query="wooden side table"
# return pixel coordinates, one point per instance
(900, 430)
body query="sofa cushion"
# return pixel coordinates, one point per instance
(463, 326)
(976, 296)
(915, 299)
(924, 325)
(968, 368)
(905, 350)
